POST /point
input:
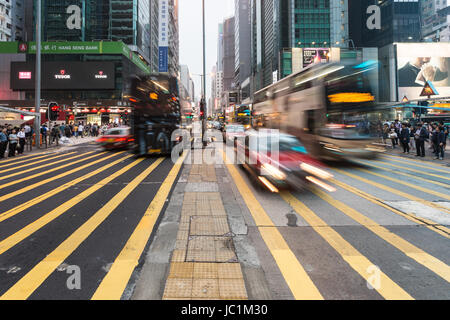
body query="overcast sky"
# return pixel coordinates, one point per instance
(190, 24)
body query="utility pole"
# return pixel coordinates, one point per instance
(204, 76)
(37, 120)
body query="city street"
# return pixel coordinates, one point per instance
(88, 224)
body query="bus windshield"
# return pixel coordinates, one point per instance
(351, 100)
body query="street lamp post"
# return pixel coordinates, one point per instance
(37, 121)
(204, 75)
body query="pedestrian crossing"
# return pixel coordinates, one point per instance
(359, 193)
(97, 187)
(57, 209)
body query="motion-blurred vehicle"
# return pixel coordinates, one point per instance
(116, 138)
(331, 108)
(280, 161)
(232, 132)
(156, 113)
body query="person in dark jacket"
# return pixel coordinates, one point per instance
(405, 138)
(440, 143)
(421, 136)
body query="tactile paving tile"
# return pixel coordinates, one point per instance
(183, 235)
(181, 270)
(205, 288)
(229, 271)
(209, 226)
(230, 289)
(178, 288)
(201, 256)
(206, 270)
(201, 243)
(179, 256)
(181, 245)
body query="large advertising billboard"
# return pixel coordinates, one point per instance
(421, 62)
(315, 55)
(64, 75)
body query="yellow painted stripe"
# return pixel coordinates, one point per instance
(402, 174)
(358, 262)
(416, 171)
(392, 190)
(24, 233)
(428, 166)
(115, 282)
(409, 185)
(20, 160)
(445, 232)
(415, 160)
(43, 182)
(33, 163)
(36, 276)
(43, 166)
(410, 250)
(22, 207)
(293, 272)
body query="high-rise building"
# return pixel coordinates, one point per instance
(154, 35)
(112, 20)
(374, 23)
(12, 20)
(220, 48)
(228, 54)
(242, 48)
(435, 20)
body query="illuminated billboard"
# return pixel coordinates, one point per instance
(64, 75)
(315, 55)
(418, 63)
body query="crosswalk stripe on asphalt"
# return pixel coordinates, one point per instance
(393, 190)
(22, 207)
(298, 280)
(357, 261)
(35, 277)
(21, 172)
(43, 182)
(25, 232)
(32, 163)
(428, 166)
(416, 160)
(116, 280)
(445, 232)
(415, 171)
(409, 185)
(20, 159)
(403, 174)
(437, 266)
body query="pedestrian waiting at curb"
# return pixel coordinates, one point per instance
(13, 141)
(405, 138)
(440, 145)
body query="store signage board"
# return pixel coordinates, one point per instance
(75, 47)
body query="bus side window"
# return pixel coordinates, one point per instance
(311, 121)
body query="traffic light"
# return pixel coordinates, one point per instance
(202, 109)
(53, 112)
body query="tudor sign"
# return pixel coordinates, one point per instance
(64, 75)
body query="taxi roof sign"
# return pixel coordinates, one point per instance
(429, 90)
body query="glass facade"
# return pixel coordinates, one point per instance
(113, 20)
(311, 23)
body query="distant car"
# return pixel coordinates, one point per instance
(292, 167)
(116, 138)
(232, 132)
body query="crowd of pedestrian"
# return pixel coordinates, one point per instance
(13, 139)
(416, 137)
